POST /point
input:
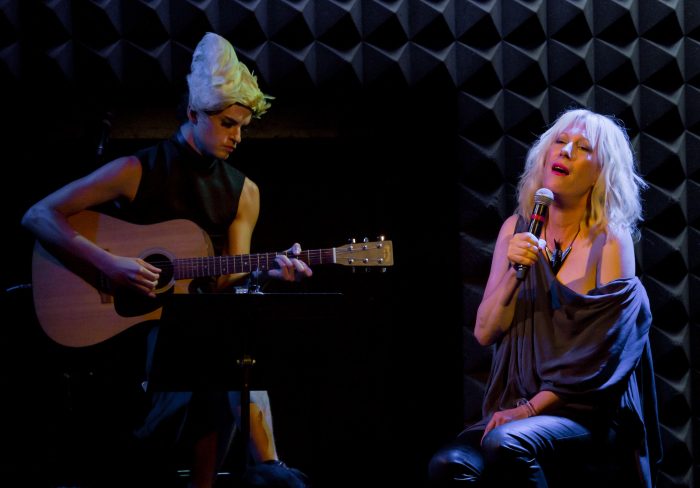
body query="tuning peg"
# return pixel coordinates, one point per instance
(382, 270)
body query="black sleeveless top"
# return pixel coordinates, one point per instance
(179, 183)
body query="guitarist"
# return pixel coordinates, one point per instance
(186, 176)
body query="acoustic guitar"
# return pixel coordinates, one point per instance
(77, 306)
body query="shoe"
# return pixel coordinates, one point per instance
(274, 473)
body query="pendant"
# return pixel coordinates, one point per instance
(557, 257)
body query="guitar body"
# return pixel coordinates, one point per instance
(76, 308)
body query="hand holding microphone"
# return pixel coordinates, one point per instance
(543, 199)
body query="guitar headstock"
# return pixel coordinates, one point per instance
(377, 253)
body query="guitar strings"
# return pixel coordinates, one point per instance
(248, 262)
(247, 258)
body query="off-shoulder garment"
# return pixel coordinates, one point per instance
(591, 349)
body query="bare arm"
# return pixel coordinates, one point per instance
(496, 309)
(240, 232)
(48, 221)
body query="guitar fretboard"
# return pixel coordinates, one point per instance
(244, 263)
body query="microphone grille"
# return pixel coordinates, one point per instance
(544, 196)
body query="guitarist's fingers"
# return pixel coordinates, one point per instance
(149, 267)
(291, 269)
(299, 265)
(302, 267)
(144, 286)
(295, 249)
(150, 293)
(143, 282)
(286, 268)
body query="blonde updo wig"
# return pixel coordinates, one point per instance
(218, 79)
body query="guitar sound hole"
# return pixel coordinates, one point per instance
(166, 266)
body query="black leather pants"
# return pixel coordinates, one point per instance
(510, 455)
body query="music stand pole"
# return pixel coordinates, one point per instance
(246, 364)
(197, 350)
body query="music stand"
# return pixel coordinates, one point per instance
(210, 342)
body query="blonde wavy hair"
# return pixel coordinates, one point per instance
(615, 201)
(218, 79)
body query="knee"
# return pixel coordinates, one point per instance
(452, 464)
(502, 446)
(440, 464)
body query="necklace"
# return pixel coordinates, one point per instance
(557, 257)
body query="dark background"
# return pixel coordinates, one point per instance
(406, 119)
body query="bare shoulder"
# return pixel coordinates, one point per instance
(120, 177)
(250, 192)
(126, 165)
(249, 202)
(130, 162)
(120, 169)
(508, 226)
(618, 241)
(617, 259)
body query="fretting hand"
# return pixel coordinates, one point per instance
(291, 269)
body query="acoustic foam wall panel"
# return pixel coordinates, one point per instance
(513, 66)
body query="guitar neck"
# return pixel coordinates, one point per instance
(188, 268)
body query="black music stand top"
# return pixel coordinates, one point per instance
(204, 337)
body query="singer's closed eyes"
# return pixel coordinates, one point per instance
(569, 320)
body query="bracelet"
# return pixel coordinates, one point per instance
(531, 412)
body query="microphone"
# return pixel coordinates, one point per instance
(543, 198)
